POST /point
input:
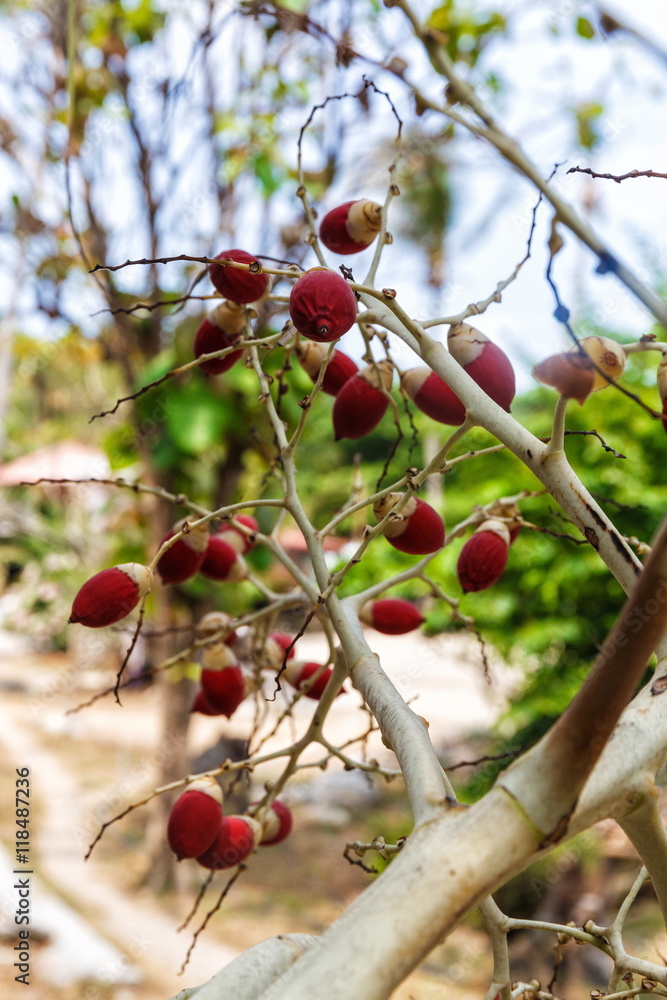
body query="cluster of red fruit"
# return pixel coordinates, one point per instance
(224, 684)
(198, 829)
(113, 593)
(323, 308)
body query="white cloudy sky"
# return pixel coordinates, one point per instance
(543, 76)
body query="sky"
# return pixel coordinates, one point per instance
(492, 207)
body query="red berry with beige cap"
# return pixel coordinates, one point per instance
(276, 824)
(111, 595)
(362, 401)
(235, 283)
(236, 839)
(484, 361)
(310, 677)
(222, 680)
(184, 558)
(195, 818)
(351, 227)
(484, 556)
(339, 368)
(218, 331)
(417, 528)
(222, 561)
(433, 396)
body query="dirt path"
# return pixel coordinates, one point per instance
(139, 937)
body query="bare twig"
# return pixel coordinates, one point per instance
(616, 177)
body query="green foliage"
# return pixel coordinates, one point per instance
(587, 117)
(466, 31)
(584, 28)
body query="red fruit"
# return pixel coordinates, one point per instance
(570, 374)
(216, 622)
(222, 562)
(218, 655)
(418, 529)
(185, 556)
(285, 641)
(237, 538)
(195, 818)
(339, 369)
(201, 705)
(393, 616)
(351, 227)
(298, 673)
(362, 402)
(236, 839)
(110, 595)
(484, 556)
(274, 649)
(484, 362)
(238, 285)
(433, 396)
(277, 824)
(216, 332)
(322, 305)
(224, 690)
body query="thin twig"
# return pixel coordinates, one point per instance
(239, 871)
(616, 177)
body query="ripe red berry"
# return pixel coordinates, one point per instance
(484, 362)
(236, 840)
(236, 537)
(224, 689)
(418, 529)
(216, 623)
(339, 369)
(433, 396)
(239, 285)
(298, 674)
(276, 824)
(195, 818)
(484, 556)
(274, 649)
(322, 305)
(222, 561)
(351, 227)
(573, 374)
(392, 616)
(183, 559)
(201, 705)
(362, 402)
(110, 595)
(285, 641)
(216, 332)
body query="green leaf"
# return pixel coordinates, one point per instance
(441, 17)
(585, 28)
(265, 175)
(196, 419)
(586, 117)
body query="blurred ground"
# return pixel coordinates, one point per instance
(86, 766)
(98, 934)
